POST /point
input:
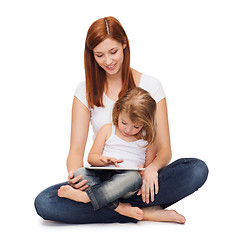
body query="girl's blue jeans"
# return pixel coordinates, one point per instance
(106, 186)
(176, 181)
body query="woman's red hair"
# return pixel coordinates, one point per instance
(101, 29)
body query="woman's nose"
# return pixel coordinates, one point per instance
(108, 60)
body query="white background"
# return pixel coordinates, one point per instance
(191, 46)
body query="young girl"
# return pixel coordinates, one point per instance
(121, 144)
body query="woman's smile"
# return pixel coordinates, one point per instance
(111, 67)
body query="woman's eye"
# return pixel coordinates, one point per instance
(99, 56)
(114, 52)
(124, 123)
(136, 127)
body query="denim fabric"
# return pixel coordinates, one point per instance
(176, 181)
(106, 186)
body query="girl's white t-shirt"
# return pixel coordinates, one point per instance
(132, 153)
(103, 115)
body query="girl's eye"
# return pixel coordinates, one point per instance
(124, 123)
(99, 56)
(136, 127)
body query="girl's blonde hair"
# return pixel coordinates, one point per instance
(141, 108)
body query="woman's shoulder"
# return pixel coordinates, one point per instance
(144, 80)
(80, 93)
(136, 76)
(153, 86)
(81, 88)
(150, 81)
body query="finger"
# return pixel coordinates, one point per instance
(152, 193)
(110, 161)
(120, 160)
(84, 187)
(141, 171)
(156, 186)
(116, 161)
(70, 175)
(143, 193)
(102, 160)
(76, 179)
(80, 184)
(147, 193)
(139, 192)
(72, 181)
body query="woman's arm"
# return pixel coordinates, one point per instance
(164, 152)
(163, 156)
(79, 134)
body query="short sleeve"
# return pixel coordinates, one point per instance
(159, 93)
(80, 93)
(153, 86)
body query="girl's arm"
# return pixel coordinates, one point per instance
(96, 151)
(79, 133)
(95, 157)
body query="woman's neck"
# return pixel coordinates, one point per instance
(111, 79)
(114, 86)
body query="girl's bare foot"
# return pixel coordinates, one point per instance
(127, 210)
(67, 191)
(158, 214)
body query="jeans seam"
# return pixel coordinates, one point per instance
(93, 199)
(113, 205)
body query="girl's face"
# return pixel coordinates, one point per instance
(127, 127)
(109, 55)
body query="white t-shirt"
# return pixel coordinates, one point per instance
(103, 115)
(132, 153)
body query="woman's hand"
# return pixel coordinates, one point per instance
(76, 183)
(150, 184)
(109, 161)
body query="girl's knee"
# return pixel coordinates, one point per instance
(137, 178)
(80, 171)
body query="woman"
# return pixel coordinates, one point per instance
(108, 77)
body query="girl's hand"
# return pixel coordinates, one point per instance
(149, 185)
(109, 161)
(76, 183)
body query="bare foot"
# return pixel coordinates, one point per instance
(157, 214)
(127, 210)
(67, 191)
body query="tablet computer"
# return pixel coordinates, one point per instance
(115, 168)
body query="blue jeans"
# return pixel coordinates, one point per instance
(106, 186)
(176, 181)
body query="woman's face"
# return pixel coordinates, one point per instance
(109, 56)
